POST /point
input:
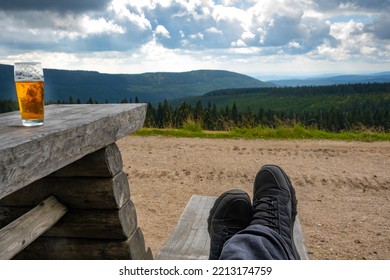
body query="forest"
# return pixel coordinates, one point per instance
(331, 108)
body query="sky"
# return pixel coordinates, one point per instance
(262, 38)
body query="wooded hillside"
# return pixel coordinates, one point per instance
(333, 108)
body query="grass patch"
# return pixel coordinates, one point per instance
(193, 130)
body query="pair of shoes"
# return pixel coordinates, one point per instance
(274, 206)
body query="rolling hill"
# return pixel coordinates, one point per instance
(294, 99)
(153, 87)
(381, 77)
(334, 108)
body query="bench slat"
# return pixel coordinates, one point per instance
(190, 239)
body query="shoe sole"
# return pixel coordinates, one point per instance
(274, 169)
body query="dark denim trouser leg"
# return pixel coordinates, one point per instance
(256, 242)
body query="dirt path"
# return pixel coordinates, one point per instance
(343, 188)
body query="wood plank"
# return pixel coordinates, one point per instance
(77, 193)
(20, 233)
(97, 224)
(106, 162)
(190, 238)
(103, 224)
(299, 240)
(70, 132)
(52, 248)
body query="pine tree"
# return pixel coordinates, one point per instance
(150, 119)
(235, 115)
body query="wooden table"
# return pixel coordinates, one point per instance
(70, 172)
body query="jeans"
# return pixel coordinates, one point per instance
(256, 242)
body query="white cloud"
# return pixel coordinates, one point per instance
(239, 44)
(99, 26)
(247, 35)
(164, 3)
(162, 31)
(354, 45)
(132, 11)
(214, 30)
(351, 38)
(196, 36)
(232, 15)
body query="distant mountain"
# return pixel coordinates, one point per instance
(382, 77)
(153, 87)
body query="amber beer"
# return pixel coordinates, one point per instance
(29, 85)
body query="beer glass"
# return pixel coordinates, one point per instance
(29, 85)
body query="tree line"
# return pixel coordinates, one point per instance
(9, 105)
(372, 111)
(369, 114)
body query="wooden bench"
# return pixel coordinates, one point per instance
(69, 172)
(190, 239)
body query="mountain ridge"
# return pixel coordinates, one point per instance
(153, 86)
(379, 77)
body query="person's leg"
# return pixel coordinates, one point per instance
(256, 242)
(270, 233)
(231, 212)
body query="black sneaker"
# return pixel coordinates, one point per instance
(275, 204)
(231, 212)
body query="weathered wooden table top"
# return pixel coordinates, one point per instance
(69, 133)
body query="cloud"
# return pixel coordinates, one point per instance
(88, 26)
(352, 5)
(162, 31)
(355, 44)
(287, 27)
(77, 6)
(373, 5)
(380, 27)
(73, 32)
(130, 12)
(231, 30)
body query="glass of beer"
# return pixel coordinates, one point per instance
(29, 84)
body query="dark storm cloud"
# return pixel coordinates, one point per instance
(76, 6)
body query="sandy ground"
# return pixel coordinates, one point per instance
(343, 188)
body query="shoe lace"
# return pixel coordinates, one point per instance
(265, 212)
